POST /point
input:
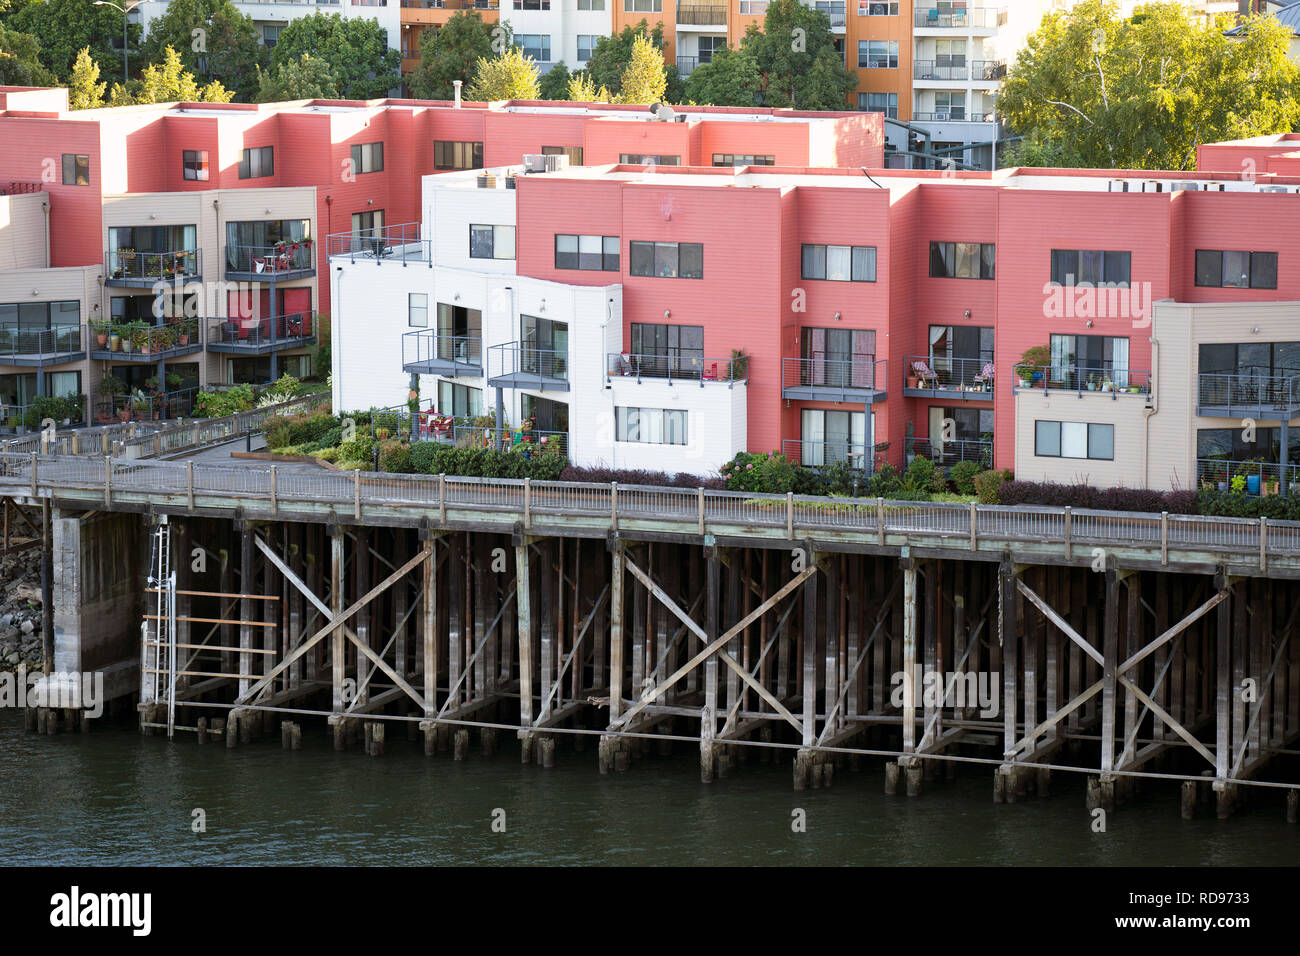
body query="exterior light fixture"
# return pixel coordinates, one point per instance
(837, 316)
(1088, 323)
(967, 315)
(668, 312)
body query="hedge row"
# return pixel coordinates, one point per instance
(637, 476)
(1100, 499)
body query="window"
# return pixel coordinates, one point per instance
(667, 350)
(251, 246)
(872, 8)
(459, 400)
(417, 310)
(573, 152)
(667, 260)
(961, 260)
(753, 7)
(271, 34)
(742, 159)
(448, 154)
(1080, 359)
(708, 45)
(1261, 359)
(837, 358)
(591, 5)
(592, 253)
(643, 6)
(1230, 444)
(545, 347)
(491, 242)
(194, 164)
(586, 45)
(460, 333)
(546, 415)
(830, 437)
(950, 53)
(1235, 270)
(886, 103)
(368, 225)
(1090, 267)
(255, 163)
(535, 45)
(878, 54)
(840, 263)
(532, 4)
(76, 170)
(368, 157)
(651, 426)
(949, 105)
(958, 354)
(637, 159)
(1074, 440)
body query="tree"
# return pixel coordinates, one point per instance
(555, 84)
(452, 53)
(168, 82)
(307, 78)
(508, 76)
(64, 27)
(644, 80)
(85, 92)
(20, 61)
(1093, 89)
(214, 40)
(794, 54)
(730, 78)
(583, 90)
(612, 55)
(356, 51)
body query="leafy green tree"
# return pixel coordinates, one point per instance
(307, 78)
(85, 92)
(356, 50)
(794, 53)
(555, 83)
(730, 78)
(20, 60)
(508, 76)
(64, 27)
(168, 82)
(1091, 88)
(229, 46)
(644, 80)
(612, 55)
(452, 53)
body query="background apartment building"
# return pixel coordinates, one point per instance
(271, 16)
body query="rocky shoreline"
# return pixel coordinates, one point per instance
(21, 611)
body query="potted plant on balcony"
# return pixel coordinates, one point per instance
(125, 257)
(739, 365)
(1033, 361)
(101, 333)
(923, 375)
(140, 340)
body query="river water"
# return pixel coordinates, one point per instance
(116, 797)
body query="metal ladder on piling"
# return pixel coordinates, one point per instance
(162, 623)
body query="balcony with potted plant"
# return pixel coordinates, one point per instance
(942, 376)
(140, 342)
(141, 269)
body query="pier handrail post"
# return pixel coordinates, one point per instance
(974, 527)
(189, 478)
(789, 515)
(1164, 537)
(356, 493)
(108, 481)
(1069, 535)
(613, 505)
(880, 520)
(35, 459)
(275, 502)
(442, 499)
(1263, 543)
(699, 504)
(528, 503)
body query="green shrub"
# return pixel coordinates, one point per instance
(434, 458)
(923, 476)
(963, 475)
(360, 448)
(770, 472)
(987, 484)
(222, 404)
(395, 457)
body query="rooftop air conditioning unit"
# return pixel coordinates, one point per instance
(534, 163)
(556, 162)
(1118, 186)
(1188, 186)
(1214, 188)
(1274, 189)
(941, 117)
(1153, 186)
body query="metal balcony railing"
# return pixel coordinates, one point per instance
(23, 346)
(527, 443)
(400, 243)
(687, 64)
(1260, 394)
(283, 260)
(957, 115)
(515, 365)
(932, 70)
(988, 69)
(429, 352)
(833, 380)
(152, 407)
(21, 419)
(129, 267)
(284, 331)
(814, 454)
(701, 15)
(675, 368)
(15, 188)
(1080, 378)
(949, 453)
(136, 342)
(957, 18)
(940, 374)
(1247, 477)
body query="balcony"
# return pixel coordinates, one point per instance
(987, 71)
(686, 65)
(16, 188)
(958, 18)
(39, 347)
(396, 243)
(948, 453)
(280, 262)
(142, 407)
(515, 365)
(698, 15)
(144, 343)
(938, 376)
(528, 443)
(624, 366)
(1082, 379)
(428, 352)
(262, 336)
(861, 381)
(1251, 395)
(142, 270)
(956, 115)
(931, 70)
(814, 454)
(1249, 477)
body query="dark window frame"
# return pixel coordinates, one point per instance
(448, 153)
(373, 151)
(264, 165)
(73, 172)
(609, 261)
(853, 261)
(1212, 263)
(987, 260)
(639, 246)
(1088, 455)
(194, 165)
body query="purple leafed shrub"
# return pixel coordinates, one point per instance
(1101, 499)
(638, 476)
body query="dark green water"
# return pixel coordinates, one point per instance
(118, 798)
